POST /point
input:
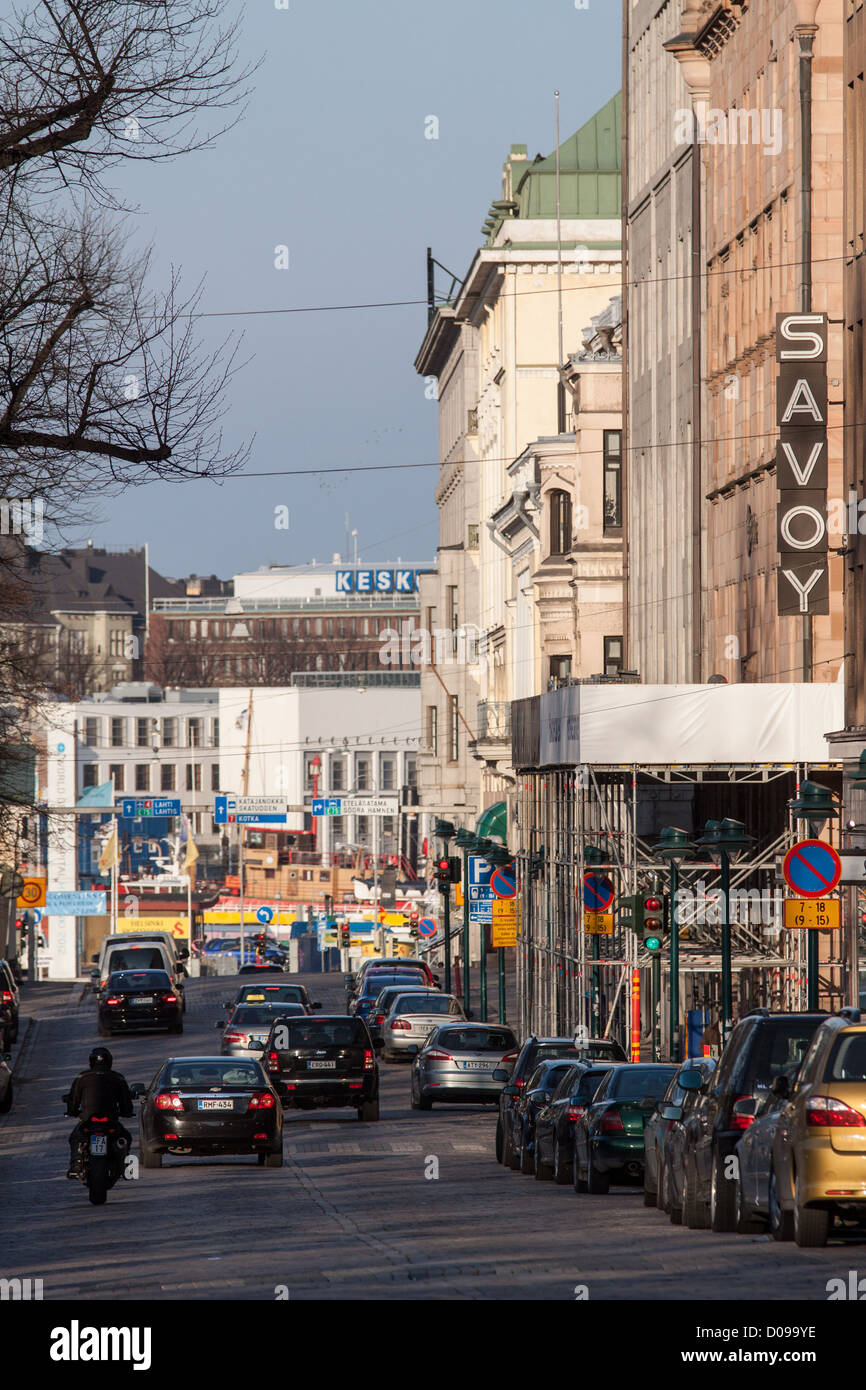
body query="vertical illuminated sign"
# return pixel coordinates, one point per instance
(801, 465)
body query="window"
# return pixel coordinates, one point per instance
(560, 523)
(560, 668)
(215, 733)
(453, 732)
(433, 728)
(116, 771)
(411, 772)
(362, 774)
(117, 733)
(311, 770)
(612, 454)
(472, 536)
(338, 830)
(167, 778)
(91, 732)
(338, 775)
(169, 733)
(193, 733)
(214, 777)
(115, 642)
(142, 777)
(453, 614)
(387, 774)
(612, 656)
(362, 830)
(141, 733)
(193, 777)
(90, 777)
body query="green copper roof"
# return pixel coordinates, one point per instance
(589, 167)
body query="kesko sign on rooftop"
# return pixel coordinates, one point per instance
(803, 585)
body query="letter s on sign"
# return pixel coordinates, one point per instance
(805, 334)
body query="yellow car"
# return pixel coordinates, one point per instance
(818, 1169)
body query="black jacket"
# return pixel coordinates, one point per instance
(100, 1093)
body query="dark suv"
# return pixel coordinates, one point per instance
(761, 1046)
(319, 1063)
(9, 1001)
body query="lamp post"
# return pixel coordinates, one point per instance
(673, 846)
(815, 805)
(725, 840)
(444, 830)
(858, 783)
(592, 857)
(465, 840)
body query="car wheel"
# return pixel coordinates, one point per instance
(596, 1182)
(369, 1110)
(693, 1211)
(781, 1221)
(150, 1158)
(675, 1213)
(746, 1221)
(103, 1031)
(512, 1157)
(811, 1227)
(543, 1171)
(6, 1102)
(723, 1212)
(662, 1185)
(499, 1141)
(650, 1198)
(560, 1172)
(424, 1103)
(577, 1182)
(526, 1160)
(177, 1027)
(274, 1160)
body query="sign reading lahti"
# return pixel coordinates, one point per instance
(801, 464)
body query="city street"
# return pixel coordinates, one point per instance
(351, 1214)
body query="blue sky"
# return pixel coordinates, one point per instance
(331, 160)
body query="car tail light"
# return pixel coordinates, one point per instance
(610, 1122)
(167, 1100)
(114, 1000)
(509, 1059)
(7, 997)
(741, 1121)
(436, 1055)
(368, 1061)
(576, 1112)
(234, 1037)
(355, 1085)
(830, 1113)
(171, 1136)
(273, 1062)
(99, 1119)
(262, 1100)
(169, 998)
(379, 1020)
(400, 1024)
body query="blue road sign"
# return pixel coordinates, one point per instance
(427, 927)
(597, 893)
(327, 806)
(503, 883)
(480, 894)
(812, 869)
(142, 810)
(264, 915)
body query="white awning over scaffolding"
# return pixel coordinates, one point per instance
(690, 724)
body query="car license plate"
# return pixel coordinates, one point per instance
(99, 1145)
(322, 1066)
(216, 1105)
(142, 999)
(475, 1066)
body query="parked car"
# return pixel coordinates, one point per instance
(248, 1028)
(462, 1063)
(372, 987)
(657, 1142)
(210, 1105)
(10, 1001)
(762, 1045)
(135, 1000)
(533, 1051)
(608, 1138)
(554, 1123)
(817, 1175)
(412, 1017)
(534, 1096)
(271, 992)
(382, 1005)
(322, 1062)
(6, 1084)
(755, 1181)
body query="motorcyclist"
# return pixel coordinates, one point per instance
(99, 1091)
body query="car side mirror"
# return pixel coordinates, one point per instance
(672, 1112)
(94, 975)
(315, 1006)
(500, 1074)
(690, 1079)
(5, 1056)
(510, 1090)
(137, 1090)
(781, 1087)
(95, 959)
(221, 1024)
(349, 979)
(257, 1046)
(65, 1098)
(436, 979)
(747, 1107)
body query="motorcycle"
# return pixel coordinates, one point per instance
(102, 1156)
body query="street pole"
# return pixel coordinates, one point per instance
(727, 1003)
(466, 932)
(447, 929)
(655, 1002)
(501, 972)
(482, 928)
(674, 989)
(812, 971)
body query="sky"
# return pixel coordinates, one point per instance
(331, 160)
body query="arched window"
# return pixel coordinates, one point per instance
(560, 523)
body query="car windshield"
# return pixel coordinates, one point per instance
(211, 1072)
(139, 979)
(135, 958)
(272, 994)
(637, 1083)
(543, 1051)
(387, 997)
(373, 988)
(778, 1048)
(264, 1013)
(589, 1083)
(848, 1058)
(477, 1039)
(547, 1075)
(323, 1032)
(423, 1004)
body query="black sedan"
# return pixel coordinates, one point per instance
(272, 992)
(211, 1105)
(554, 1123)
(139, 999)
(536, 1095)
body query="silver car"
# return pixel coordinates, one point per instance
(247, 1030)
(412, 1017)
(382, 1006)
(458, 1063)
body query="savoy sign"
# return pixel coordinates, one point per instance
(801, 464)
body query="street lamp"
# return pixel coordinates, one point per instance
(674, 845)
(815, 805)
(725, 840)
(444, 830)
(466, 841)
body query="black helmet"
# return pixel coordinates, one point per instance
(100, 1059)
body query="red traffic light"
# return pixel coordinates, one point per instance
(444, 866)
(652, 904)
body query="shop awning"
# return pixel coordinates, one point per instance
(492, 824)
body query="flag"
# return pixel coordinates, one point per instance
(191, 853)
(110, 856)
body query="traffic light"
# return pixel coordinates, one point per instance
(345, 934)
(443, 875)
(413, 925)
(631, 913)
(645, 914)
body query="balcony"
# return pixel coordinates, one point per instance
(493, 720)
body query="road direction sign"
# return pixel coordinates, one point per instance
(369, 806)
(264, 915)
(427, 927)
(597, 893)
(142, 810)
(503, 883)
(812, 914)
(84, 904)
(250, 810)
(811, 869)
(327, 806)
